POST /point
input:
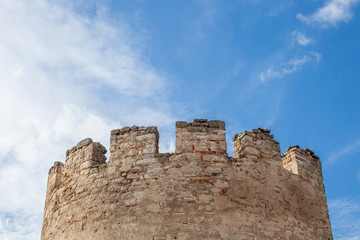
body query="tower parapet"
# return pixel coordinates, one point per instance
(302, 162)
(201, 136)
(257, 144)
(131, 145)
(133, 142)
(55, 176)
(198, 192)
(85, 155)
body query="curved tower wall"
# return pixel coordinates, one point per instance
(198, 192)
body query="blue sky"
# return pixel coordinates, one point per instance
(76, 69)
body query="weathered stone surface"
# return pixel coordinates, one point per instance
(197, 193)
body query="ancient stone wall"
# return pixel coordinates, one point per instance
(198, 192)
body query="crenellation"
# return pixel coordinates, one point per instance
(198, 192)
(55, 176)
(85, 155)
(258, 144)
(83, 143)
(57, 168)
(133, 142)
(201, 123)
(142, 130)
(132, 150)
(201, 137)
(302, 162)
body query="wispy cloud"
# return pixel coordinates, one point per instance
(289, 67)
(344, 150)
(332, 13)
(300, 38)
(345, 219)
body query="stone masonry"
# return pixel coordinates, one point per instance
(198, 192)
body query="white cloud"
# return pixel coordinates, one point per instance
(345, 221)
(31, 150)
(332, 13)
(63, 77)
(343, 150)
(291, 66)
(81, 49)
(300, 38)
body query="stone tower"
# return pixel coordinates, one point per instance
(198, 192)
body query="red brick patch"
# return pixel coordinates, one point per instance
(83, 169)
(133, 205)
(218, 161)
(86, 160)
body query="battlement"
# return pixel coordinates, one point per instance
(201, 136)
(133, 142)
(198, 192)
(199, 124)
(302, 162)
(55, 177)
(258, 144)
(86, 154)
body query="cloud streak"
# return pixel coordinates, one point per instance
(344, 150)
(300, 38)
(289, 67)
(332, 13)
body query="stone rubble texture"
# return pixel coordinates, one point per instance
(198, 192)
